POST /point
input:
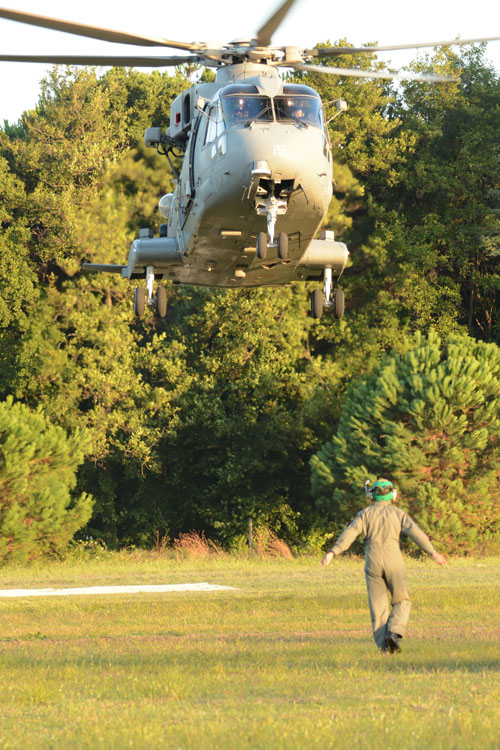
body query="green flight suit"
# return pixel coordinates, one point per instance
(381, 525)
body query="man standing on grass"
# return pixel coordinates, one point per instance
(381, 525)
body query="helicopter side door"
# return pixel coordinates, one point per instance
(211, 146)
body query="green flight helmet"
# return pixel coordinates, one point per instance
(382, 490)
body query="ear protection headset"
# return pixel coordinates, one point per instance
(382, 490)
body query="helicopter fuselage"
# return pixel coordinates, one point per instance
(223, 221)
(251, 194)
(252, 166)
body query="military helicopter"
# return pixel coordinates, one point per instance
(256, 176)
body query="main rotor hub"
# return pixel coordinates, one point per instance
(240, 50)
(246, 70)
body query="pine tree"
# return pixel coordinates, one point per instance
(429, 418)
(38, 463)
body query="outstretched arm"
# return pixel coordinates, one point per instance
(440, 559)
(414, 531)
(327, 559)
(345, 540)
(411, 529)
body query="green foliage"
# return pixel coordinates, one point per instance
(428, 417)
(38, 463)
(243, 441)
(17, 274)
(441, 224)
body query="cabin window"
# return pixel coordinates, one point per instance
(186, 109)
(216, 124)
(302, 109)
(220, 125)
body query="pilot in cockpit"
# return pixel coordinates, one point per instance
(241, 112)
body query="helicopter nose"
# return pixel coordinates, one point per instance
(287, 153)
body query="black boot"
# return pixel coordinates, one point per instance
(392, 642)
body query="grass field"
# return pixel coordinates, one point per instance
(286, 661)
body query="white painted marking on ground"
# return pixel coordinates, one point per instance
(141, 589)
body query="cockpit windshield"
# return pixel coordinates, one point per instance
(243, 104)
(299, 103)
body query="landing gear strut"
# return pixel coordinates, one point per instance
(159, 301)
(263, 246)
(321, 298)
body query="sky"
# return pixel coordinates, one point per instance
(309, 22)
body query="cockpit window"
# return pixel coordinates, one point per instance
(303, 109)
(243, 104)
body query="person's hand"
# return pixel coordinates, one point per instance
(440, 559)
(327, 559)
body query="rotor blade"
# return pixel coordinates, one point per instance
(403, 76)
(108, 61)
(265, 33)
(93, 32)
(332, 51)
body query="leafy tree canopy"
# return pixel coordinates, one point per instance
(428, 417)
(38, 463)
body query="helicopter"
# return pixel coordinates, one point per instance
(255, 181)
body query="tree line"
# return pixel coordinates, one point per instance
(236, 405)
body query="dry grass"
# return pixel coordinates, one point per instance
(267, 544)
(194, 545)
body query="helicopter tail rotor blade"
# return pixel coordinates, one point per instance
(333, 51)
(93, 32)
(266, 31)
(401, 76)
(104, 60)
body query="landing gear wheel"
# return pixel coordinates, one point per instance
(161, 302)
(139, 301)
(317, 303)
(283, 246)
(339, 299)
(261, 245)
